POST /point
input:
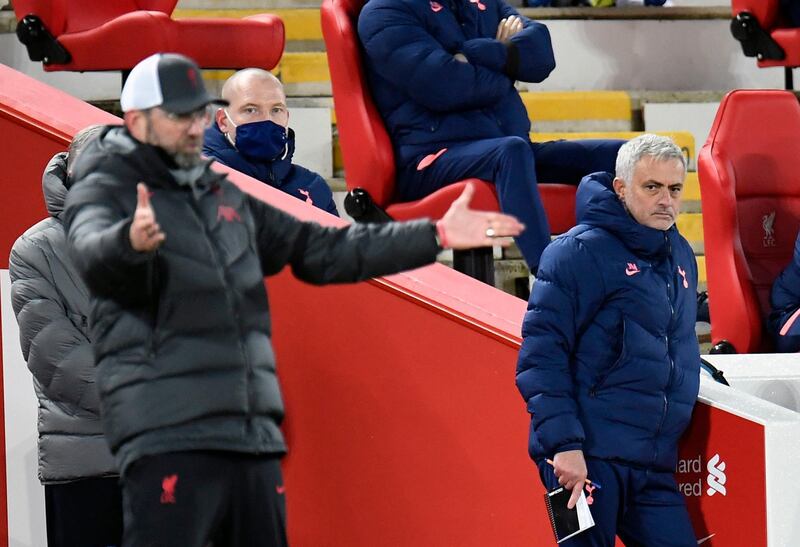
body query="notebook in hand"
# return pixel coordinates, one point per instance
(567, 522)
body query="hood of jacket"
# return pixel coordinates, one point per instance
(54, 184)
(115, 148)
(275, 173)
(598, 205)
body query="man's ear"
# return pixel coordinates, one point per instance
(136, 122)
(619, 188)
(222, 121)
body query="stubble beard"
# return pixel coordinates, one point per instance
(184, 160)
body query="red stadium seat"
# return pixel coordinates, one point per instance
(758, 25)
(750, 189)
(100, 35)
(367, 150)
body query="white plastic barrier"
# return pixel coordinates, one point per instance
(25, 496)
(772, 377)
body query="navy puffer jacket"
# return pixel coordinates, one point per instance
(785, 300)
(610, 362)
(281, 173)
(426, 97)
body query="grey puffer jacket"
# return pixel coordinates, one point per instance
(52, 305)
(182, 334)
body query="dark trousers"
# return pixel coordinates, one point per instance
(644, 508)
(84, 513)
(791, 9)
(515, 166)
(203, 498)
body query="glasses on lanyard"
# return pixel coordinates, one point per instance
(204, 115)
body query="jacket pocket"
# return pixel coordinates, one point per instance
(623, 356)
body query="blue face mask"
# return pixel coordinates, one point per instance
(260, 141)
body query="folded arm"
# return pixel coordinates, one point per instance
(403, 52)
(527, 55)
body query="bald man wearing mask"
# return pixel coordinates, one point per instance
(252, 135)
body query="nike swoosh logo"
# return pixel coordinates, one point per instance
(430, 158)
(631, 272)
(699, 541)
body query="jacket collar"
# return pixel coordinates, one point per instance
(274, 173)
(598, 205)
(153, 164)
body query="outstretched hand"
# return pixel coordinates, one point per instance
(466, 228)
(145, 233)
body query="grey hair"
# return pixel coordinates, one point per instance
(79, 142)
(647, 145)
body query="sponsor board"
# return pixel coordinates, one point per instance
(721, 471)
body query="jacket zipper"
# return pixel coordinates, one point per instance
(231, 304)
(154, 282)
(669, 354)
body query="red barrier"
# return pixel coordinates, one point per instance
(721, 471)
(404, 426)
(3, 488)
